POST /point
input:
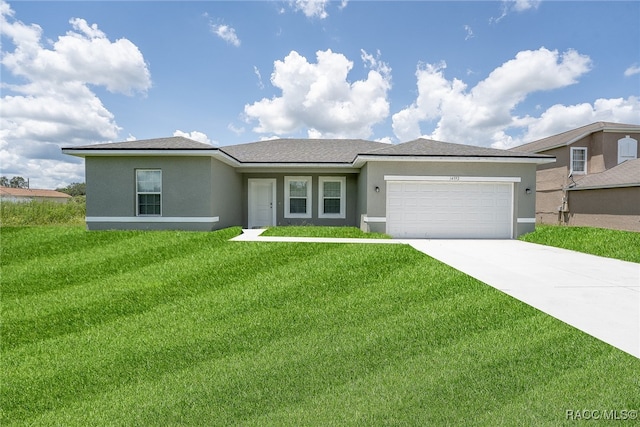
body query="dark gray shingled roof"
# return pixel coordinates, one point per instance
(572, 135)
(431, 148)
(625, 174)
(287, 151)
(170, 143)
(301, 150)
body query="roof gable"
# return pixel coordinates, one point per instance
(301, 150)
(170, 143)
(571, 136)
(429, 148)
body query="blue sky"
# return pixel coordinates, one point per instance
(226, 72)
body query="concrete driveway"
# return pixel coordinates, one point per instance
(600, 296)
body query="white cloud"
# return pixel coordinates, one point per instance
(385, 140)
(68, 113)
(196, 136)
(320, 98)
(481, 115)
(269, 138)
(469, 32)
(226, 33)
(256, 71)
(84, 55)
(632, 70)
(522, 5)
(517, 6)
(312, 8)
(560, 118)
(55, 106)
(236, 130)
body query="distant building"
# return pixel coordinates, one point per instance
(18, 195)
(595, 180)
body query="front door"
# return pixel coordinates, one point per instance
(262, 197)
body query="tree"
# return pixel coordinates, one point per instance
(74, 189)
(15, 182)
(18, 182)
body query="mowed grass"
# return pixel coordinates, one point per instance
(618, 244)
(177, 328)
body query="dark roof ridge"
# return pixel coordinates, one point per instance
(166, 143)
(425, 147)
(301, 150)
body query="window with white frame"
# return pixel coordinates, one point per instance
(627, 149)
(297, 196)
(148, 192)
(579, 160)
(331, 196)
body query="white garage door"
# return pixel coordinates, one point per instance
(448, 210)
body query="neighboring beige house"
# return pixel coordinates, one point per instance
(8, 194)
(595, 180)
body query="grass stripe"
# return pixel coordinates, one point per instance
(252, 324)
(81, 265)
(131, 293)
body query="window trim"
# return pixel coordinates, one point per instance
(627, 149)
(573, 150)
(287, 197)
(343, 196)
(138, 193)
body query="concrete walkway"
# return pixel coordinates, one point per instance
(254, 235)
(600, 296)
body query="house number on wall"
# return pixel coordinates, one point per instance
(454, 178)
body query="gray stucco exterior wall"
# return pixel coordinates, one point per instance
(362, 197)
(226, 193)
(188, 193)
(524, 204)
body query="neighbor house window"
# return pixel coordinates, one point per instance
(331, 197)
(297, 195)
(627, 149)
(579, 160)
(149, 192)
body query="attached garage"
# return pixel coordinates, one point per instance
(450, 207)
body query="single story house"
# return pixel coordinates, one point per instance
(595, 180)
(17, 195)
(418, 189)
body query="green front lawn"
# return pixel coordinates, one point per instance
(623, 245)
(178, 328)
